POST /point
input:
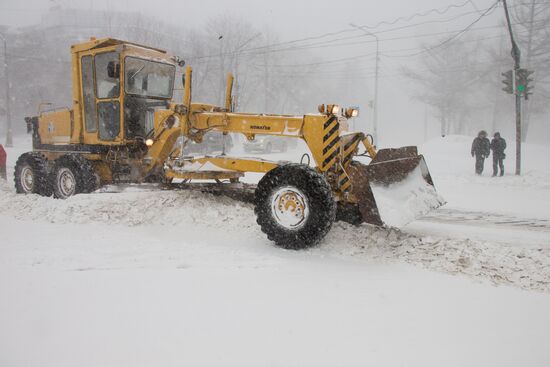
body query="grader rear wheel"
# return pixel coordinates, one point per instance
(31, 175)
(294, 206)
(71, 175)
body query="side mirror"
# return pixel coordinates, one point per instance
(113, 69)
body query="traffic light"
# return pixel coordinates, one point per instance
(508, 81)
(517, 82)
(522, 82)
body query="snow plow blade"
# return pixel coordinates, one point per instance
(395, 188)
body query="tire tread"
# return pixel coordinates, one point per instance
(320, 197)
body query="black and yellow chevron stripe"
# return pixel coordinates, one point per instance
(349, 149)
(331, 140)
(344, 182)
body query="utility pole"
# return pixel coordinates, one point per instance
(497, 94)
(516, 56)
(375, 112)
(529, 49)
(9, 136)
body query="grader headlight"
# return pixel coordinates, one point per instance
(321, 108)
(149, 142)
(331, 109)
(351, 112)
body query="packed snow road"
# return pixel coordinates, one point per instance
(111, 279)
(501, 264)
(475, 218)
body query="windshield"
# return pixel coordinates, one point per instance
(149, 78)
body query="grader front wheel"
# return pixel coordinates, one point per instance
(294, 206)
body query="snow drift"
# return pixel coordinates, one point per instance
(193, 211)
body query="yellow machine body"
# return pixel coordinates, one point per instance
(123, 120)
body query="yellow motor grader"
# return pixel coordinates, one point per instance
(124, 127)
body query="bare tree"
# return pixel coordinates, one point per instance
(532, 18)
(450, 81)
(41, 59)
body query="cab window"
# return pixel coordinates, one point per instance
(88, 93)
(109, 119)
(148, 85)
(106, 86)
(146, 78)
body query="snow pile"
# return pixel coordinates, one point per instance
(402, 202)
(527, 268)
(132, 207)
(194, 211)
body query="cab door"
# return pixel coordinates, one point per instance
(101, 97)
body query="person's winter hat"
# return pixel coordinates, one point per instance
(497, 135)
(482, 133)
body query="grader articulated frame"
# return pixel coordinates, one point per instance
(107, 137)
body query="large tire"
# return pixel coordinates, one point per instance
(90, 179)
(31, 174)
(71, 175)
(294, 206)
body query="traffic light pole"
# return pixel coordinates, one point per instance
(516, 55)
(518, 134)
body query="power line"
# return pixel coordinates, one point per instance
(440, 11)
(396, 50)
(395, 39)
(350, 30)
(341, 59)
(269, 48)
(458, 33)
(455, 36)
(328, 42)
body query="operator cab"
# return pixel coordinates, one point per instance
(139, 80)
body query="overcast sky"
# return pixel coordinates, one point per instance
(289, 18)
(294, 19)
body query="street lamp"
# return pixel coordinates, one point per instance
(237, 53)
(9, 138)
(375, 115)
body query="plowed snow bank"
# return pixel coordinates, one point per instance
(501, 264)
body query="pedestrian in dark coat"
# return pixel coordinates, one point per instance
(498, 145)
(481, 147)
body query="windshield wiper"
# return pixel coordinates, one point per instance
(137, 72)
